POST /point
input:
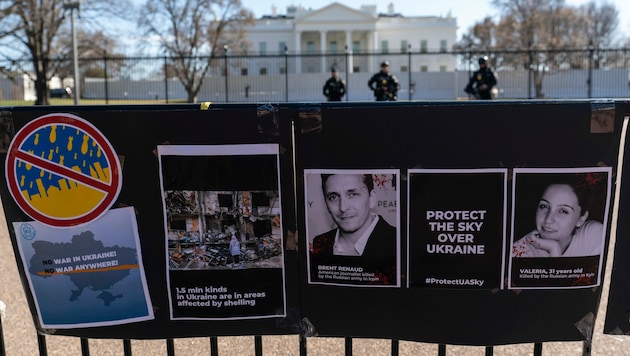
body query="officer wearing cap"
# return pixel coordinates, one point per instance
(384, 84)
(483, 81)
(335, 87)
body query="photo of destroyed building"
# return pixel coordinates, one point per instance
(200, 225)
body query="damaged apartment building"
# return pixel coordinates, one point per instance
(201, 223)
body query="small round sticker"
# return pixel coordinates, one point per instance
(27, 231)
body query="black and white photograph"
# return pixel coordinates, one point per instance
(559, 227)
(223, 224)
(457, 220)
(353, 222)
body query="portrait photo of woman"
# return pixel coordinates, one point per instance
(568, 214)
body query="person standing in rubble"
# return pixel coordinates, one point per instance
(335, 87)
(235, 250)
(384, 84)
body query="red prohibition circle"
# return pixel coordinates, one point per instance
(15, 154)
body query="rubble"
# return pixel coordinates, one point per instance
(215, 253)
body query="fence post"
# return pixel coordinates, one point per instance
(348, 346)
(106, 77)
(165, 79)
(127, 347)
(2, 348)
(529, 71)
(469, 55)
(347, 55)
(41, 343)
(302, 345)
(286, 74)
(411, 86)
(85, 347)
(589, 81)
(225, 52)
(214, 346)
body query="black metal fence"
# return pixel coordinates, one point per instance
(284, 77)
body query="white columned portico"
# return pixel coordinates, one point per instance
(322, 50)
(349, 51)
(298, 52)
(374, 37)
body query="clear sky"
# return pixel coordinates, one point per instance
(467, 12)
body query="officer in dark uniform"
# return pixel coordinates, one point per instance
(482, 81)
(384, 84)
(334, 88)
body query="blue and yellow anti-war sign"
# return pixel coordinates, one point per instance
(62, 171)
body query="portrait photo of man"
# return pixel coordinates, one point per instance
(352, 218)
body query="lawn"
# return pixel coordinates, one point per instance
(70, 101)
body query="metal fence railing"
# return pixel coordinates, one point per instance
(527, 74)
(18, 335)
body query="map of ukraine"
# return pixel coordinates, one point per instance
(87, 262)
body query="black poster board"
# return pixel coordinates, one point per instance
(617, 316)
(135, 133)
(391, 142)
(456, 234)
(453, 136)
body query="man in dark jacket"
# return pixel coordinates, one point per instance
(482, 81)
(335, 87)
(362, 240)
(384, 84)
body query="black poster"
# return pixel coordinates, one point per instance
(618, 307)
(221, 263)
(559, 227)
(460, 217)
(231, 203)
(353, 227)
(456, 228)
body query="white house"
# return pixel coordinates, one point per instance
(339, 29)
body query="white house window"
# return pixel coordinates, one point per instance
(262, 47)
(263, 71)
(403, 46)
(424, 46)
(442, 68)
(310, 47)
(244, 71)
(443, 46)
(333, 46)
(424, 68)
(384, 47)
(282, 46)
(356, 46)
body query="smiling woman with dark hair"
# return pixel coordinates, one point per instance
(563, 227)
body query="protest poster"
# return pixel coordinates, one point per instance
(559, 220)
(353, 227)
(456, 228)
(223, 235)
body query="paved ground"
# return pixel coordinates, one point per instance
(21, 339)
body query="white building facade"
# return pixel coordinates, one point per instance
(339, 35)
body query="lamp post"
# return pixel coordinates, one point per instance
(73, 5)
